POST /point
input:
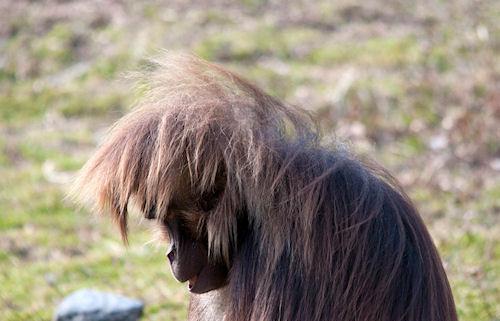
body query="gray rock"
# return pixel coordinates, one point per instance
(91, 305)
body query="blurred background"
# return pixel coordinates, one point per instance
(414, 85)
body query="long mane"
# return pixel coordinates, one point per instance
(326, 237)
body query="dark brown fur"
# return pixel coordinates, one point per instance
(308, 232)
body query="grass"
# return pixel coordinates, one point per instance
(419, 94)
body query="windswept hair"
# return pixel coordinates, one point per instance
(327, 237)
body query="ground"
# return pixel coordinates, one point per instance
(415, 86)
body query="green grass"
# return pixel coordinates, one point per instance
(416, 75)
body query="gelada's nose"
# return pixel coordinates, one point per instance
(171, 253)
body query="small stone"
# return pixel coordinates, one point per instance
(91, 305)
(438, 142)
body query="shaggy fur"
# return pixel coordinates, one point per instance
(324, 236)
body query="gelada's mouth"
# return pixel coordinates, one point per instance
(192, 282)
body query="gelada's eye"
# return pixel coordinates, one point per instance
(150, 214)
